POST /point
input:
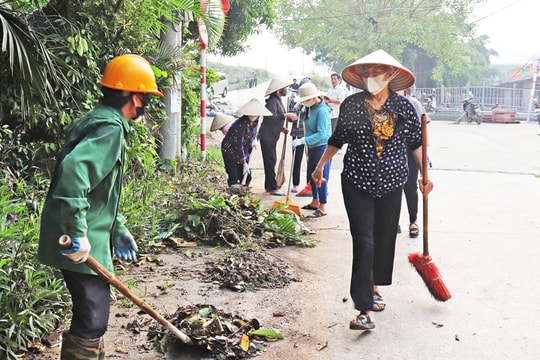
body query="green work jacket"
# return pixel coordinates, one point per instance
(85, 189)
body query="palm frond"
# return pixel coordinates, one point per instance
(29, 63)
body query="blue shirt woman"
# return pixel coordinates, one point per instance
(316, 118)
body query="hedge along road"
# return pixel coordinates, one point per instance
(484, 231)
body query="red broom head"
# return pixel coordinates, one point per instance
(427, 269)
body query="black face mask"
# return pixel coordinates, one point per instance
(140, 109)
(283, 92)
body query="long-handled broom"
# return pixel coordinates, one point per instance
(422, 262)
(280, 175)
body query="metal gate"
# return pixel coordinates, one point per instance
(508, 98)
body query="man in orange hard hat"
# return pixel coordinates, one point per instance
(83, 202)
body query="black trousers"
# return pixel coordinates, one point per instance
(373, 223)
(298, 156)
(235, 173)
(411, 188)
(268, 138)
(90, 295)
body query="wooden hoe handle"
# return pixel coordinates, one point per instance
(65, 242)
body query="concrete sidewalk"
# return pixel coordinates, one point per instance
(484, 233)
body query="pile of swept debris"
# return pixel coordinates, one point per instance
(201, 210)
(225, 336)
(221, 334)
(249, 269)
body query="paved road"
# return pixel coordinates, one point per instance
(484, 231)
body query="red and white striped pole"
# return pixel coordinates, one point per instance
(203, 103)
(203, 36)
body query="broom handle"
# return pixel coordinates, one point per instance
(287, 198)
(65, 242)
(283, 149)
(424, 182)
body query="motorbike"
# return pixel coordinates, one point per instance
(293, 105)
(471, 110)
(429, 103)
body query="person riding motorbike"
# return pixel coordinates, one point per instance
(429, 103)
(471, 110)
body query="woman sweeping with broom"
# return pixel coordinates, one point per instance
(378, 125)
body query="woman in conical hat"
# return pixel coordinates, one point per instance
(379, 126)
(271, 129)
(222, 122)
(236, 146)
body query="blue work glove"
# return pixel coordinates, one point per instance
(298, 142)
(125, 247)
(79, 250)
(245, 169)
(254, 145)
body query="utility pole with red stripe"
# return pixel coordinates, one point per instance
(203, 37)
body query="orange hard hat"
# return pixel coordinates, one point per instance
(131, 73)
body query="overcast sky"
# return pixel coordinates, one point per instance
(510, 24)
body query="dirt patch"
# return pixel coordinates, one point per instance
(243, 287)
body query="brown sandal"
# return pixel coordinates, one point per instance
(362, 322)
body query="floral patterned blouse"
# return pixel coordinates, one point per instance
(383, 173)
(237, 143)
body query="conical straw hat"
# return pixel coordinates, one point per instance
(352, 73)
(254, 108)
(276, 84)
(220, 120)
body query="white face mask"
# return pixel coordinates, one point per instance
(376, 84)
(253, 117)
(309, 103)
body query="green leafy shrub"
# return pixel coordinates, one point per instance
(200, 208)
(33, 299)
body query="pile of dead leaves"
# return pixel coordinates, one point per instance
(249, 269)
(201, 208)
(225, 336)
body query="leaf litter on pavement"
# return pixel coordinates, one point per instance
(238, 221)
(251, 270)
(222, 334)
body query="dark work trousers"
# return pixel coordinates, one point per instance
(298, 155)
(373, 223)
(235, 173)
(268, 138)
(90, 295)
(411, 188)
